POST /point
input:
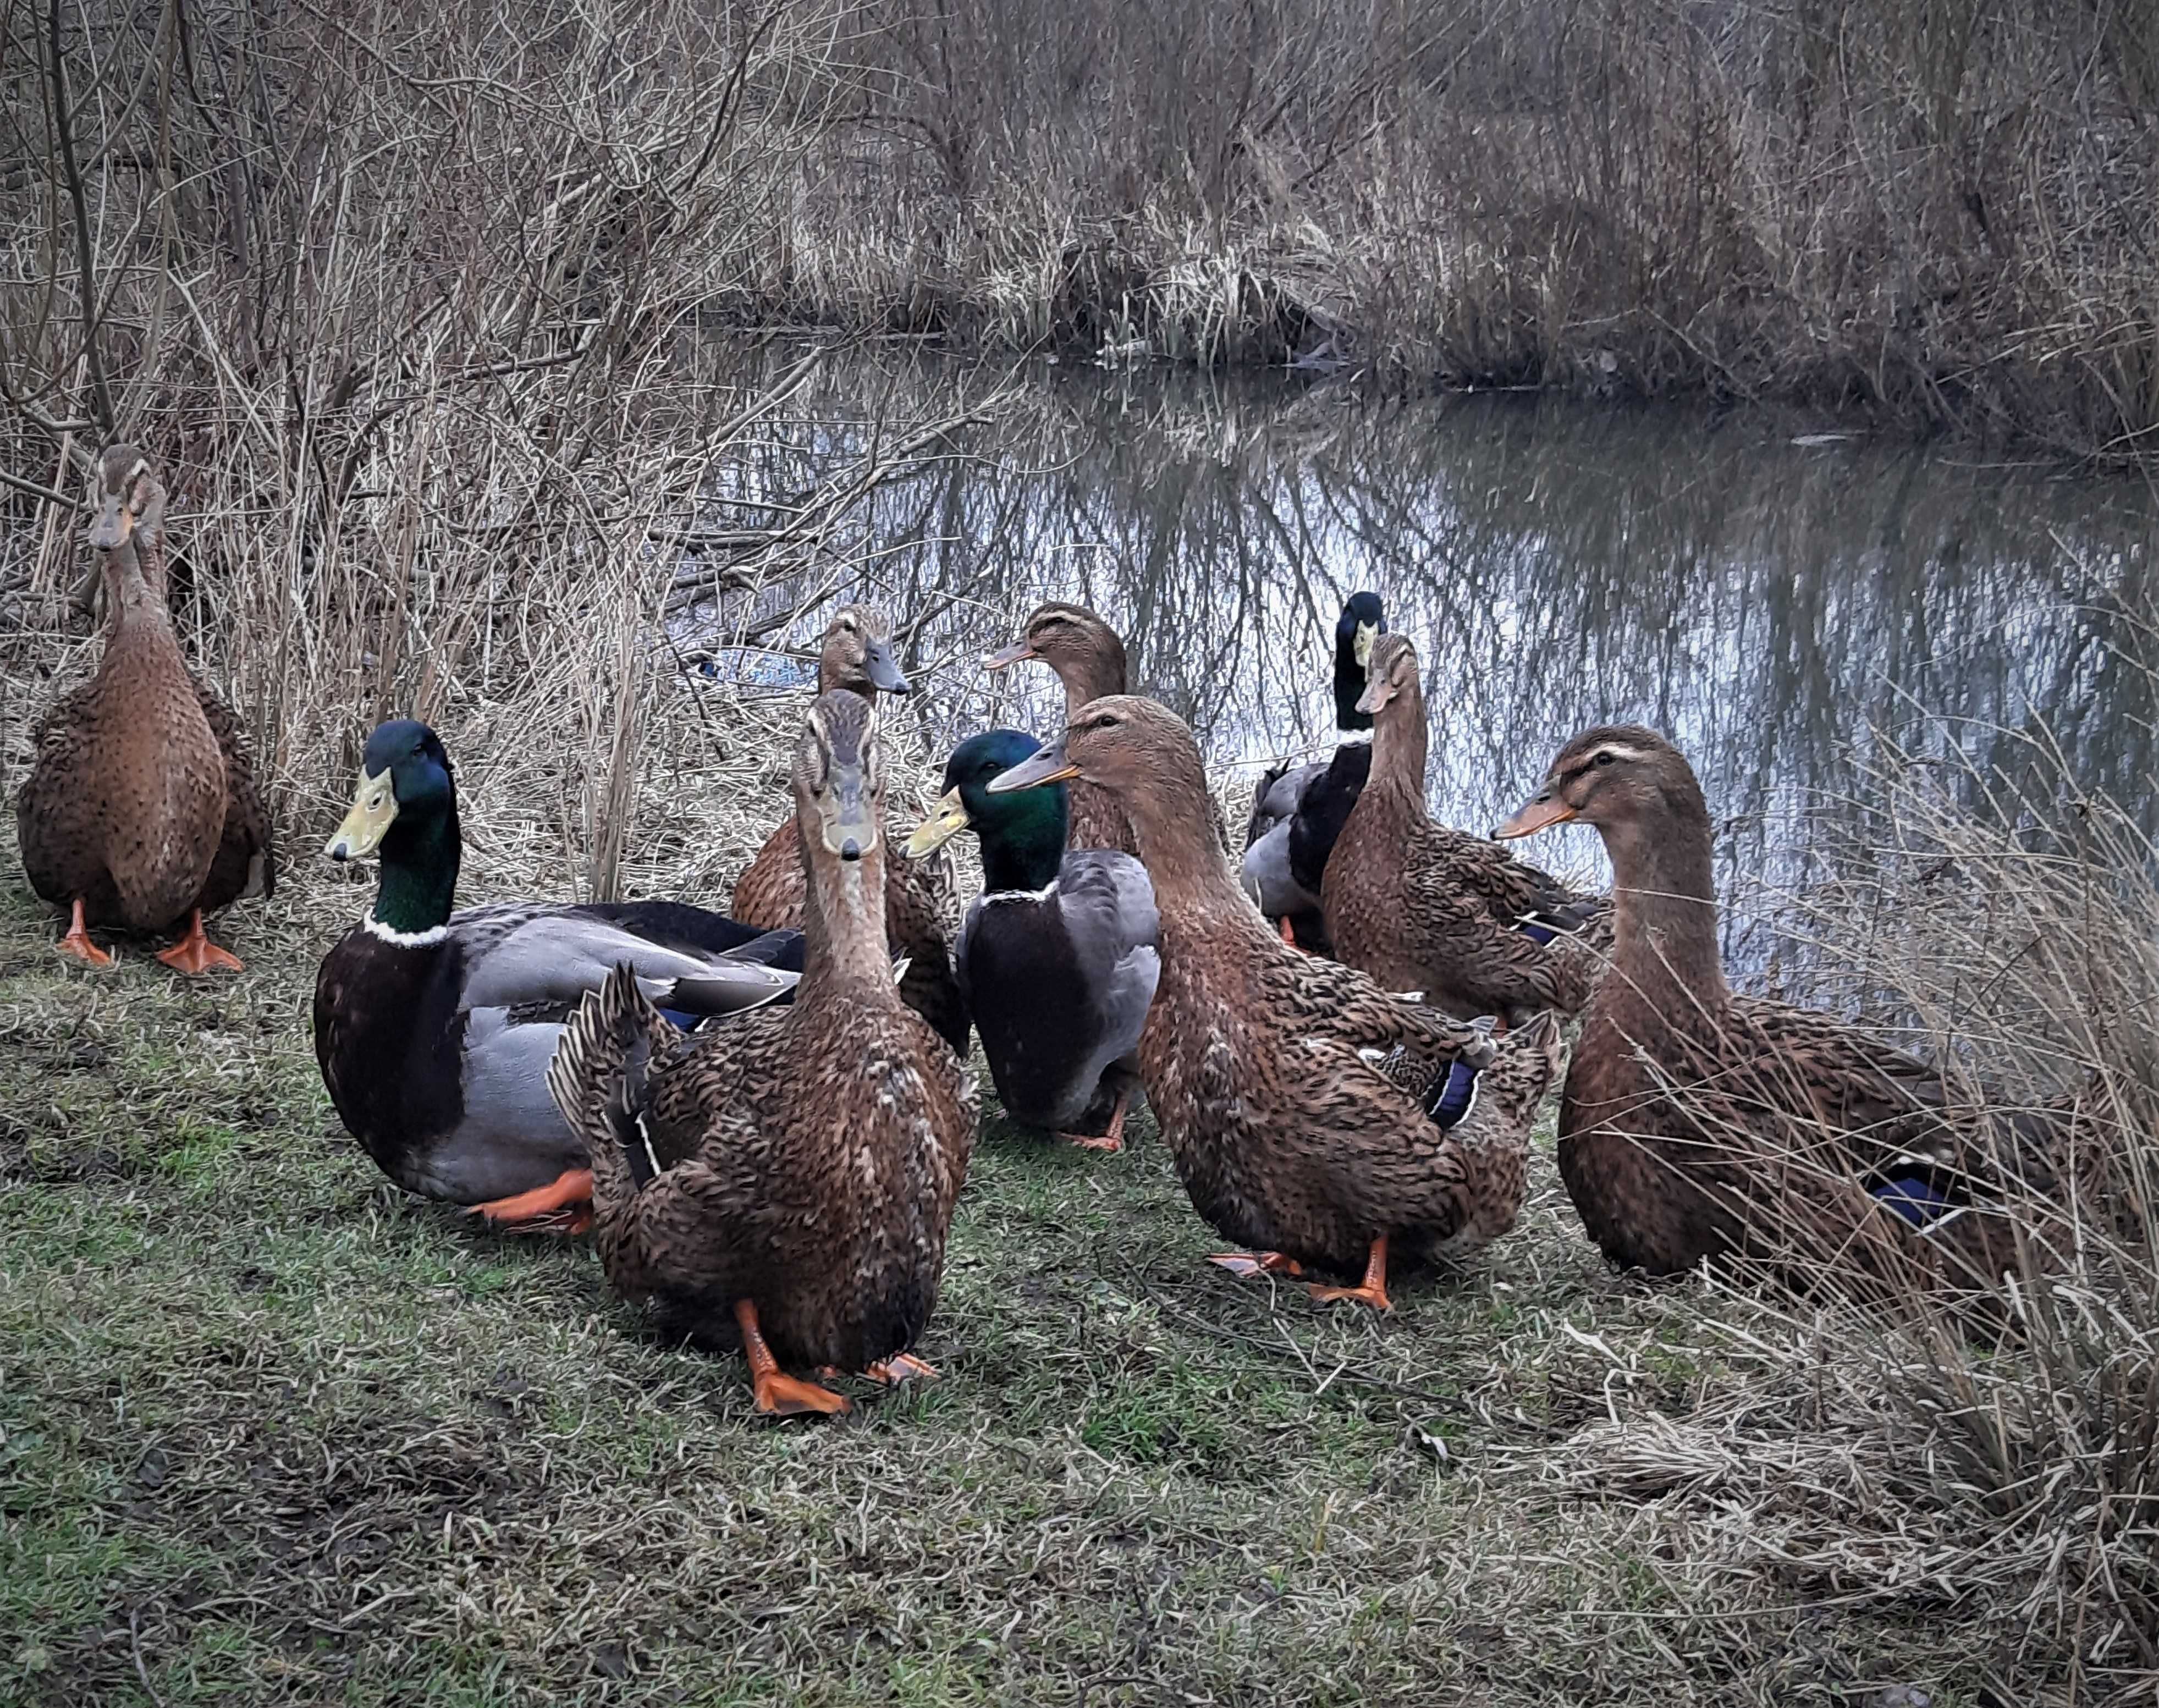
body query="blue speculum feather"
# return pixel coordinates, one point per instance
(1456, 1096)
(1916, 1200)
(1536, 933)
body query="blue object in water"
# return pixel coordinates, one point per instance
(1456, 1097)
(1916, 1200)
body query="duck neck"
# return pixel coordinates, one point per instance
(1173, 835)
(1086, 680)
(419, 884)
(135, 594)
(843, 941)
(1664, 907)
(1024, 849)
(1401, 744)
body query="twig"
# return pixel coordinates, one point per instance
(100, 397)
(142, 1670)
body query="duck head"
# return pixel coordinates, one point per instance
(855, 654)
(1087, 654)
(1391, 675)
(1617, 776)
(1023, 835)
(404, 808)
(1363, 619)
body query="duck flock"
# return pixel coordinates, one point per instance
(765, 1117)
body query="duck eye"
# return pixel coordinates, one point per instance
(1604, 759)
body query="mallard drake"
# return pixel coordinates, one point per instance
(1297, 810)
(433, 1029)
(1058, 956)
(921, 896)
(793, 1182)
(1420, 906)
(1697, 1122)
(141, 808)
(1263, 1064)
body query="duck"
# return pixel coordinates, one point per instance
(1088, 656)
(855, 656)
(1297, 810)
(788, 1186)
(1421, 906)
(433, 1028)
(1058, 956)
(1264, 1065)
(142, 808)
(1698, 1124)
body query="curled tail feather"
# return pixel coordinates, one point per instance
(597, 1078)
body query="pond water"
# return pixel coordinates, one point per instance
(1778, 600)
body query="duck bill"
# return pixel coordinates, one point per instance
(1006, 655)
(884, 671)
(1373, 700)
(1360, 645)
(374, 809)
(847, 824)
(115, 523)
(946, 820)
(1540, 814)
(1049, 766)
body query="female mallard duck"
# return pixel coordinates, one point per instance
(856, 655)
(1697, 1122)
(799, 1175)
(1265, 1068)
(1422, 907)
(1058, 956)
(141, 808)
(1297, 811)
(433, 1029)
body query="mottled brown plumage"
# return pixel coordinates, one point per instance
(922, 897)
(1423, 908)
(1261, 1063)
(1697, 1123)
(141, 807)
(795, 1178)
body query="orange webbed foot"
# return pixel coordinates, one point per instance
(77, 941)
(1251, 1263)
(1371, 1291)
(562, 1206)
(195, 954)
(779, 1395)
(1092, 1142)
(1289, 932)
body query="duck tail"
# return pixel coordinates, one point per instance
(597, 1080)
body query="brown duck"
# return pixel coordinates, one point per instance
(1697, 1122)
(792, 1182)
(140, 809)
(1423, 908)
(1269, 1069)
(921, 895)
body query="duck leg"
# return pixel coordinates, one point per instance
(1257, 1263)
(195, 954)
(1373, 1290)
(1112, 1139)
(77, 941)
(564, 1205)
(777, 1393)
(1288, 931)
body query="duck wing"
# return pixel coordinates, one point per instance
(554, 956)
(246, 863)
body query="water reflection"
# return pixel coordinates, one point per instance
(1770, 604)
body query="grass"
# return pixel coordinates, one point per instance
(275, 1432)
